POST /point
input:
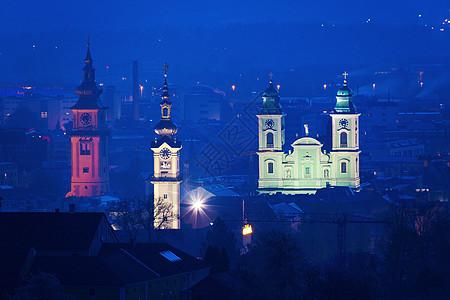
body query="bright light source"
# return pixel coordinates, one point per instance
(233, 87)
(278, 87)
(197, 205)
(247, 229)
(324, 86)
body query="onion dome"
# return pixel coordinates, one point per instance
(344, 99)
(165, 126)
(271, 101)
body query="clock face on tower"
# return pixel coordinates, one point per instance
(165, 153)
(270, 123)
(343, 123)
(85, 119)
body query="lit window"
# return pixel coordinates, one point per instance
(165, 112)
(43, 115)
(270, 168)
(169, 255)
(343, 167)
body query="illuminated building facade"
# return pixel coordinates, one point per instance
(89, 138)
(307, 167)
(166, 179)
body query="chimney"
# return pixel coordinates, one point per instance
(135, 91)
(72, 208)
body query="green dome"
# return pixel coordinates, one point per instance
(271, 101)
(344, 91)
(271, 91)
(344, 100)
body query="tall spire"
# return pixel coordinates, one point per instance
(88, 58)
(88, 90)
(165, 95)
(166, 127)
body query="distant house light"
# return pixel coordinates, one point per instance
(169, 255)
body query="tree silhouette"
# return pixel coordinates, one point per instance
(146, 214)
(41, 286)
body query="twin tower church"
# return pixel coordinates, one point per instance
(304, 169)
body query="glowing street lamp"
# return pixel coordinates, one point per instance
(233, 87)
(247, 229)
(197, 205)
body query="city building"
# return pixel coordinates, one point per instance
(89, 138)
(203, 102)
(167, 178)
(307, 167)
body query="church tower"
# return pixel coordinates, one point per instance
(166, 179)
(345, 139)
(271, 137)
(89, 138)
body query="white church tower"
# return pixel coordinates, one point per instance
(166, 179)
(345, 139)
(271, 133)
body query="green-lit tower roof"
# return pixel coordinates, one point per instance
(271, 101)
(344, 99)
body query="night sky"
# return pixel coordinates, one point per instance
(216, 42)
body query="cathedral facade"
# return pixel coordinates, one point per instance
(305, 167)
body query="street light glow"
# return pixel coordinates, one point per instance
(197, 205)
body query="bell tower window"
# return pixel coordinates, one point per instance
(165, 112)
(343, 139)
(85, 149)
(270, 168)
(269, 140)
(343, 167)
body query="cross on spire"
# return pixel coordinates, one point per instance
(271, 77)
(345, 76)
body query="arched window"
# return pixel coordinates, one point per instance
(343, 167)
(270, 168)
(343, 137)
(165, 112)
(270, 140)
(288, 173)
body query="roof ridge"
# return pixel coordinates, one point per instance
(138, 261)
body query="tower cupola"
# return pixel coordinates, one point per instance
(344, 99)
(166, 127)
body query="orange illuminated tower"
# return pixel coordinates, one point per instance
(89, 138)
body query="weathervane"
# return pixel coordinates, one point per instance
(166, 68)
